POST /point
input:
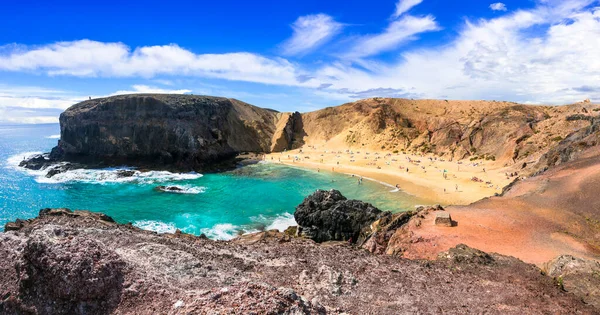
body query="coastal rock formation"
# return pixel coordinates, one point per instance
(574, 144)
(180, 131)
(194, 132)
(329, 216)
(80, 262)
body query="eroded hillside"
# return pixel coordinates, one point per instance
(504, 131)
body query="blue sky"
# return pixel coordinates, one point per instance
(296, 55)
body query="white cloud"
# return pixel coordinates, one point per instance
(497, 59)
(403, 6)
(139, 88)
(36, 105)
(86, 58)
(310, 32)
(401, 29)
(498, 6)
(398, 32)
(546, 54)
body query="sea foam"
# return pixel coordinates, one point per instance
(111, 175)
(224, 231)
(53, 137)
(101, 176)
(156, 226)
(282, 222)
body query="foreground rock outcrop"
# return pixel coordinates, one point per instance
(329, 216)
(79, 262)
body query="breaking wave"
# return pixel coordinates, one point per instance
(156, 226)
(100, 176)
(282, 222)
(53, 137)
(225, 231)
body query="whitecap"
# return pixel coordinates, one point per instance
(225, 231)
(14, 160)
(156, 226)
(53, 137)
(104, 176)
(282, 222)
(279, 222)
(222, 231)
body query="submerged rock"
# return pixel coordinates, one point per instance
(168, 188)
(329, 216)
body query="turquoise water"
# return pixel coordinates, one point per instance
(220, 205)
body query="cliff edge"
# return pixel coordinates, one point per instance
(79, 262)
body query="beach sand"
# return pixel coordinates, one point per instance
(424, 178)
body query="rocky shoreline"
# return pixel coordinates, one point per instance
(75, 262)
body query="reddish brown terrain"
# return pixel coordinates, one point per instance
(83, 263)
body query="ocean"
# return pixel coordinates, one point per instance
(223, 205)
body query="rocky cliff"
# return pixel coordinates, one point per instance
(184, 131)
(79, 262)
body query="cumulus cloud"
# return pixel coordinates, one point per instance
(546, 54)
(86, 58)
(499, 59)
(498, 6)
(403, 6)
(310, 32)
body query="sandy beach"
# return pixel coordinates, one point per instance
(425, 176)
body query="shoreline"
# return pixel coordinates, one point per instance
(424, 179)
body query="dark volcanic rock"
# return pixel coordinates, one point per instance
(125, 173)
(168, 188)
(36, 162)
(67, 262)
(178, 131)
(329, 216)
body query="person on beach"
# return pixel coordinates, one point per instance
(456, 187)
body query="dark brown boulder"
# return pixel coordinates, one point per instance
(329, 216)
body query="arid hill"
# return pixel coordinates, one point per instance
(509, 133)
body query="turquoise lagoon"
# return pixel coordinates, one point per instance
(251, 198)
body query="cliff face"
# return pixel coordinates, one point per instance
(179, 130)
(79, 262)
